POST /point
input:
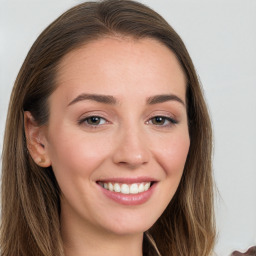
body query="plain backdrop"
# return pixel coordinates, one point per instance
(221, 39)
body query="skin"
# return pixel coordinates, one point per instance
(126, 143)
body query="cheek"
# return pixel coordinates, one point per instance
(76, 155)
(172, 153)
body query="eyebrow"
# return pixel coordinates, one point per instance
(108, 99)
(163, 98)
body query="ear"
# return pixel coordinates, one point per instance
(36, 140)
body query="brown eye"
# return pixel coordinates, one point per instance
(93, 121)
(158, 120)
(162, 121)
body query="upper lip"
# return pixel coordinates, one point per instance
(128, 180)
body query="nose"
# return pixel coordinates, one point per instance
(132, 149)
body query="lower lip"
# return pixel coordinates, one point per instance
(130, 199)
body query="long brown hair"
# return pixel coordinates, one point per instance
(30, 194)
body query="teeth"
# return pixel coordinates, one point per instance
(117, 187)
(141, 187)
(110, 187)
(134, 188)
(147, 185)
(125, 189)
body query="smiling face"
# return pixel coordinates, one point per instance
(117, 120)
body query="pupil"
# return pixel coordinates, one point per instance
(159, 119)
(94, 120)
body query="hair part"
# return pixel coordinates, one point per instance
(30, 194)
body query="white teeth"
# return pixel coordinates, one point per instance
(117, 187)
(141, 187)
(147, 185)
(125, 189)
(110, 186)
(134, 188)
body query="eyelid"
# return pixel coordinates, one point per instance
(82, 119)
(87, 118)
(169, 117)
(91, 113)
(166, 118)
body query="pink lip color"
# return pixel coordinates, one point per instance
(130, 199)
(129, 180)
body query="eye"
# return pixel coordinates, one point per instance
(162, 121)
(93, 121)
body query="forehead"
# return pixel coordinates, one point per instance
(114, 65)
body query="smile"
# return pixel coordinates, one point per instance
(132, 191)
(134, 188)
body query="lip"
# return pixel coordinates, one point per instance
(129, 199)
(128, 180)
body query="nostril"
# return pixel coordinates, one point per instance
(131, 164)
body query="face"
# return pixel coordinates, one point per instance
(117, 136)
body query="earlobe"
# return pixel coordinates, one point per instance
(36, 140)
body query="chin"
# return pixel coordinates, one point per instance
(130, 225)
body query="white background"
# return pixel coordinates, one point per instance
(221, 38)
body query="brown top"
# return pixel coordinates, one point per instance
(251, 252)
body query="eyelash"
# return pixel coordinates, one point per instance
(168, 119)
(85, 121)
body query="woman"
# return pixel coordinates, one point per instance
(111, 147)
